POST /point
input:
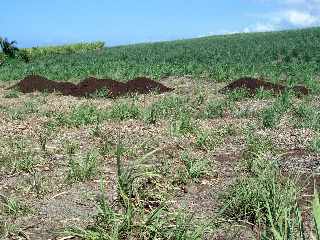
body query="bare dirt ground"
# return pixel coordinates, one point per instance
(52, 203)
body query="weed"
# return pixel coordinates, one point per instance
(30, 107)
(199, 99)
(8, 229)
(130, 177)
(202, 139)
(215, 109)
(132, 221)
(316, 213)
(168, 107)
(252, 197)
(304, 110)
(12, 94)
(262, 195)
(244, 113)
(230, 130)
(307, 116)
(315, 145)
(196, 168)
(39, 184)
(208, 140)
(263, 94)
(124, 110)
(150, 115)
(256, 146)
(135, 223)
(20, 113)
(238, 95)
(270, 117)
(285, 224)
(80, 116)
(100, 93)
(71, 147)
(180, 176)
(17, 156)
(26, 164)
(14, 207)
(290, 224)
(83, 169)
(106, 147)
(43, 137)
(183, 125)
(96, 131)
(283, 102)
(16, 114)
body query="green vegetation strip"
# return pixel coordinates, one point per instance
(291, 56)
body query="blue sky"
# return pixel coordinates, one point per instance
(38, 22)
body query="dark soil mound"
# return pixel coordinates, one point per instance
(34, 83)
(302, 90)
(146, 85)
(90, 86)
(252, 85)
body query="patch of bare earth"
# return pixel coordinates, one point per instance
(61, 203)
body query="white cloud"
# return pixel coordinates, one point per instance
(312, 6)
(207, 34)
(293, 18)
(265, 27)
(294, 1)
(295, 13)
(300, 18)
(258, 27)
(288, 14)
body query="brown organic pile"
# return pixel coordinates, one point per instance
(90, 86)
(252, 85)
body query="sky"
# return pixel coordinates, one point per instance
(119, 22)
